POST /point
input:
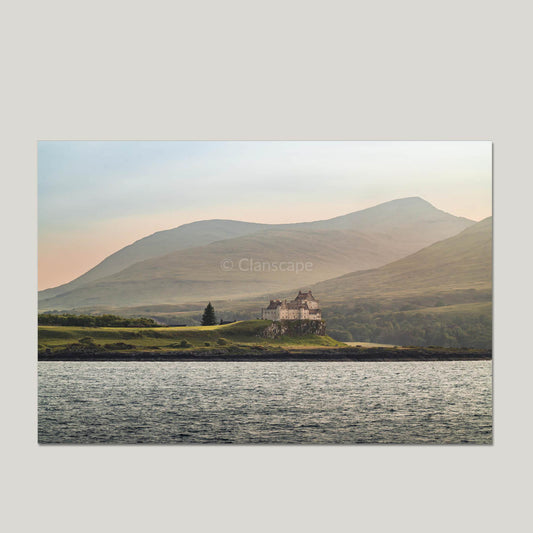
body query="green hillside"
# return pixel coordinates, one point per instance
(440, 296)
(460, 262)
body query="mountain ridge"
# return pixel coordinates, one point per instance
(463, 261)
(397, 228)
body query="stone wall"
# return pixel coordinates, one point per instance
(294, 328)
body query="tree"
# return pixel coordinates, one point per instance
(209, 318)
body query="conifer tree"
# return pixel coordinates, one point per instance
(209, 318)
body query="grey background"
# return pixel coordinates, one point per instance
(256, 70)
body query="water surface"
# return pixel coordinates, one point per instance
(265, 402)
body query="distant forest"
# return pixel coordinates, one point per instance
(372, 323)
(95, 321)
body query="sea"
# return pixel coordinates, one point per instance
(265, 403)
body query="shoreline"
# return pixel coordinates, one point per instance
(333, 355)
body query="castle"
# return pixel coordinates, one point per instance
(303, 307)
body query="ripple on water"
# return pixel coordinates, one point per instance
(265, 402)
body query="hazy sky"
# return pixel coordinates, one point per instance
(96, 197)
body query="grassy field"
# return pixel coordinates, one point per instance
(236, 335)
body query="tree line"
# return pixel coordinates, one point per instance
(95, 321)
(113, 321)
(366, 324)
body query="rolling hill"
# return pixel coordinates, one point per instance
(184, 264)
(462, 262)
(160, 243)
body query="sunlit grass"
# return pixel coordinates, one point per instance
(228, 336)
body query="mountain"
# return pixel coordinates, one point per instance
(438, 296)
(412, 215)
(184, 264)
(462, 262)
(160, 243)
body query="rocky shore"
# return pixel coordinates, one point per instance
(335, 354)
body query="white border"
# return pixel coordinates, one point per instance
(244, 70)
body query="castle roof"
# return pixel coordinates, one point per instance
(305, 296)
(274, 304)
(300, 302)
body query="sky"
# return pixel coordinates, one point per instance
(96, 197)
